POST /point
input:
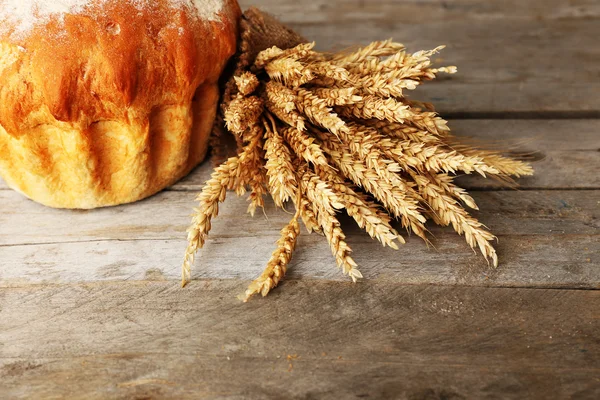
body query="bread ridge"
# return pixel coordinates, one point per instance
(113, 105)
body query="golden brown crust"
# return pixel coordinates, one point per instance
(111, 105)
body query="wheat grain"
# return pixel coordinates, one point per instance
(385, 186)
(419, 106)
(428, 121)
(242, 113)
(505, 165)
(383, 86)
(401, 131)
(300, 52)
(246, 83)
(213, 193)
(303, 51)
(337, 96)
(289, 71)
(445, 182)
(387, 109)
(251, 162)
(265, 56)
(365, 212)
(318, 113)
(326, 202)
(331, 72)
(282, 181)
(278, 264)
(446, 211)
(309, 215)
(304, 146)
(427, 157)
(228, 175)
(258, 185)
(373, 50)
(281, 101)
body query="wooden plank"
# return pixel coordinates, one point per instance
(166, 216)
(546, 239)
(566, 152)
(561, 163)
(311, 340)
(336, 11)
(569, 261)
(511, 56)
(90, 303)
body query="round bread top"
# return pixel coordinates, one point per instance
(82, 61)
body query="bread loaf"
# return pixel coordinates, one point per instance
(105, 102)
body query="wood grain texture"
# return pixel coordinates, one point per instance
(526, 261)
(408, 11)
(344, 341)
(546, 239)
(166, 216)
(90, 305)
(566, 152)
(533, 56)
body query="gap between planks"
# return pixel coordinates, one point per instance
(523, 115)
(242, 284)
(533, 74)
(343, 340)
(567, 155)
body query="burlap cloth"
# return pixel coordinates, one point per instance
(258, 31)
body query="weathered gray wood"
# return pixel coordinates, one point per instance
(567, 152)
(568, 155)
(343, 341)
(90, 304)
(511, 56)
(546, 238)
(337, 11)
(567, 261)
(166, 216)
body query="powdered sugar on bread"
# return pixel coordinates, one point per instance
(24, 15)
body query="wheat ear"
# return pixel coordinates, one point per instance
(226, 176)
(335, 132)
(319, 193)
(213, 193)
(278, 264)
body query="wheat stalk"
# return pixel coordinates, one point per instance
(364, 211)
(446, 211)
(304, 146)
(213, 193)
(282, 178)
(335, 133)
(278, 264)
(325, 200)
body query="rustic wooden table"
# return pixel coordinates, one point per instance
(90, 303)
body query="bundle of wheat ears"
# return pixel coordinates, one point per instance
(337, 132)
